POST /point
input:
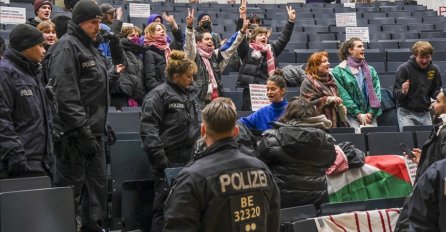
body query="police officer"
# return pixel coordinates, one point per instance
(80, 81)
(169, 126)
(25, 117)
(224, 190)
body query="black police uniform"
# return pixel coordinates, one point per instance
(81, 80)
(224, 190)
(169, 129)
(25, 115)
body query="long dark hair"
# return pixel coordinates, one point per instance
(298, 108)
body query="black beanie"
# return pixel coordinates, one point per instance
(85, 10)
(24, 36)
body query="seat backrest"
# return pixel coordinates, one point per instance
(137, 204)
(366, 130)
(384, 203)
(19, 184)
(124, 121)
(387, 143)
(38, 210)
(128, 161)
(357, 139)
(421, 137)
(343, 207)
(418, 128)
(305, 225)
(341, 130)
(297, 213)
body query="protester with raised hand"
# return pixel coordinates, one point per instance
(258, 57)
(210, 61)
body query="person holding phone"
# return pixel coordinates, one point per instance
(433, 150)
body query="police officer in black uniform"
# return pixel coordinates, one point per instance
(223, 190)
(80, 80)
(25, 115)
(169, 126)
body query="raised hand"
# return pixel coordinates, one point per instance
(170, 19)
(291, 13)
(242, 10)
(268, 32)
(245, 25)
(190, 17)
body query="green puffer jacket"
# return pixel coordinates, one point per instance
(351, 94)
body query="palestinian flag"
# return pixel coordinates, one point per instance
(381, 176)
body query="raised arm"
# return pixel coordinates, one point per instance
(190, 47)
(280, 44)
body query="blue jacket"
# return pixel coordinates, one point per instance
(262, 119)
(25, 115)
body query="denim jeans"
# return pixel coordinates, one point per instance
(411, 118)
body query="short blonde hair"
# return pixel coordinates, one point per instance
(422, 48)
(150, 29)
(125, 31)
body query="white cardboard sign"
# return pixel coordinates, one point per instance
(5, 1)
(259, 98)
(346, 19)
(139, 10)
(360, 32)
(349, 4)
(12, 15)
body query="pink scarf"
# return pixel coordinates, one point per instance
(159, 42)
(270, 64)
(373, 98)
(206, 53)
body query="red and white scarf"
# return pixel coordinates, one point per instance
(266, 49)
(159, 42)
(206, 53)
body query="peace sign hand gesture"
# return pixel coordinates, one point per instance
(190, 17)
(291, 13)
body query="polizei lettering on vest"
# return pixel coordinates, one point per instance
(243, 180)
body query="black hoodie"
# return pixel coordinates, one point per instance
(424, 84)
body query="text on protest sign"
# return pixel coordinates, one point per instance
(259, 98)
(12, 15)
(346, 19)
(360, 32)
(139, 10)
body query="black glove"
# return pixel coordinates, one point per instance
(87, 141)
(160, 161)
(17, 164)
(111, 135)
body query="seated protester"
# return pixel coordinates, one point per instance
(204, 24)
(157, 52)
(210, 61)
(258, 57)
(298, 151)
(49, 33)
(263, 118)
(358, 84)
(129, 89)
(42, 9)
(416, 82)
(177, 32)
(213, 194)
(245, 139)
(319, 87)
(169, 126)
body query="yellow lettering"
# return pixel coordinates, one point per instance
(243, 202)
(250, 201)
